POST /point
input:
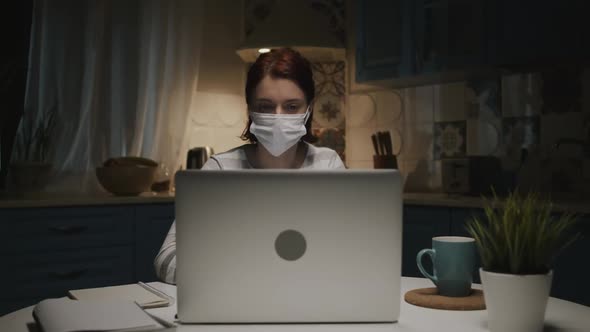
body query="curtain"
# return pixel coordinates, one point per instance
(121, 76)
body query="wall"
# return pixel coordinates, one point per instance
(496, 117)
(218, 110)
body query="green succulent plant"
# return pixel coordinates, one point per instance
(519, 234)
(35, 134)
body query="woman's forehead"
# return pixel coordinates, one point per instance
(278, 90)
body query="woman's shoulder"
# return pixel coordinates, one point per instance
(235, 153)
(322, 157)
(231, 159)
(320, 151)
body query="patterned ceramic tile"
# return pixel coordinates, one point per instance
(329, 78)
(482, 99)
(328, 111)
(449, 140)
(521, 95)
(332, 138)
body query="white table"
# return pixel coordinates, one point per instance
(560, 316)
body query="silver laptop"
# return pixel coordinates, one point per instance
(288, 246)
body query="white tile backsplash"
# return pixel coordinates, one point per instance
(419, 104)
(358, 144)
(521, 95)
(417, 141)
(449, 102)
(389, 106)
(202, 136)
(421, 175)
(520, 98)
(359, 164)
(227, 138)
(362, 111)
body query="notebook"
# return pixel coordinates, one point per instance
(288, 246)
(145, 295)
(66, 315)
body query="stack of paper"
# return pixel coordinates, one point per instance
(144, 295)
(66, 315)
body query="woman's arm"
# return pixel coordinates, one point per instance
(165, 261)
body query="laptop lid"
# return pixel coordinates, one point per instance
(280, 246)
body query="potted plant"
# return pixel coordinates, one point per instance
(30, 169)
(518, 240)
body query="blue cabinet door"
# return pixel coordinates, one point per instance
(538, 32)
(385, 48)
(571, 268)
(48, 251)
(421, 224)
(450, 35)
(152, 224)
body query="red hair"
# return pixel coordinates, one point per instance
(281, 63)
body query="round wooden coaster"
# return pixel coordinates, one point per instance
(429, 298)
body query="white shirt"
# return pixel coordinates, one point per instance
(316, 158)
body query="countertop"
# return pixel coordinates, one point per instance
(78, 199)
(562, 204)
(560, 315)
(570, 204)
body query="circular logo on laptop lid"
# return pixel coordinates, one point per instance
(290, 245)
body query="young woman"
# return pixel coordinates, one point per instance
(279, 93)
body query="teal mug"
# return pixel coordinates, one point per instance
(453, 263)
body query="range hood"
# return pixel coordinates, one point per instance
(292, 23)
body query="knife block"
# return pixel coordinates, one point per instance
(385, 161)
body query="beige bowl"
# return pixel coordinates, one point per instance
(126, 180)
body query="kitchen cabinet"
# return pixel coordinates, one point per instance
(383, 39)
(538, 32)
(421, 224)
(459, 218)
(153, 223)
(449, 34)
(413, 42)
(571, 268)
(47, 251)
(434, 41)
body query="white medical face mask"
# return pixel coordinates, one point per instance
(278, 132)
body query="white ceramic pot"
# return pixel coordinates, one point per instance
(516, 302)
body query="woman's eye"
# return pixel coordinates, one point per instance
(265, 108)
(292, 108)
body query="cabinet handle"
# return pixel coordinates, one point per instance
(68, 230)
(68, 275)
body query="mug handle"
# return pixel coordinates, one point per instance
(432, 254)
